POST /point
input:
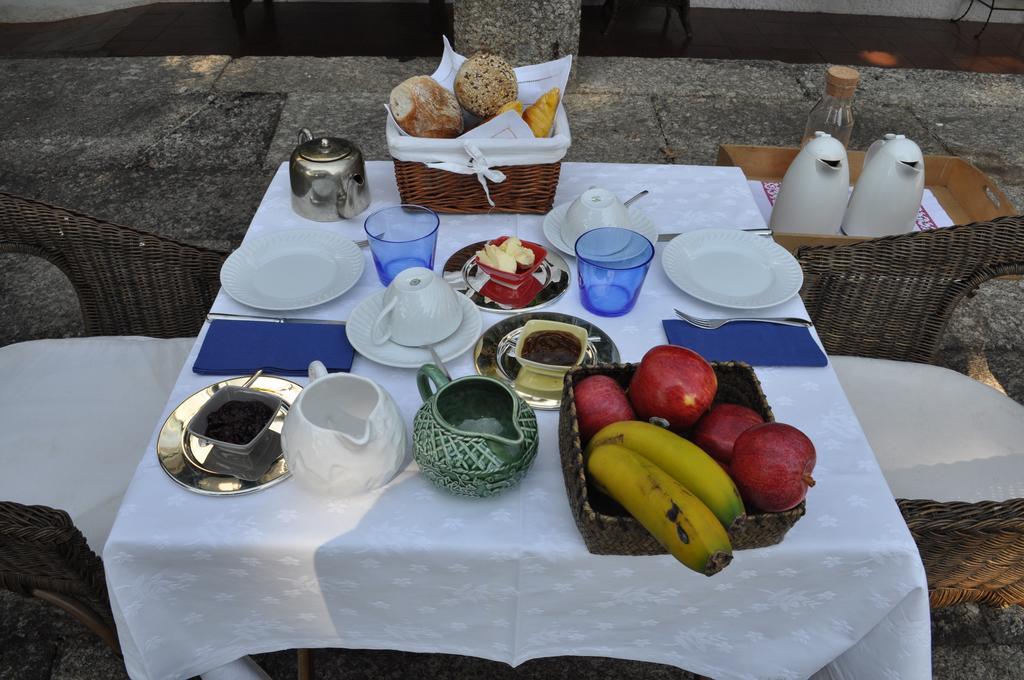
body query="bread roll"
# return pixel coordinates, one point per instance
(484, 83)
(423, 108)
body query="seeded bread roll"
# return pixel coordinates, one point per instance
(423, 108)
(484, 83)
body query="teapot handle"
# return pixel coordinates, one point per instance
(429, 379)
(305, 135)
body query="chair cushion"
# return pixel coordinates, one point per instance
(937, 433)
(76, 416)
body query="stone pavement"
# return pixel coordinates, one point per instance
(185, 146)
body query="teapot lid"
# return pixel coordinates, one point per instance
(826, 148)
(323, 149)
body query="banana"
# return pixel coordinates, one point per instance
(682, 460)
(675, 517)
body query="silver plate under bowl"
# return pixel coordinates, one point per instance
(549, 283)
(179, 452)
(494, 354)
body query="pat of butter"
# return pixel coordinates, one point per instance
(495, 257)
(507, 256)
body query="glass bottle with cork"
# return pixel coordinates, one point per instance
(834, 111)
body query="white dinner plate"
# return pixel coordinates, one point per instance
(360, 323)
(732, 268)
(554, 221)
(292, 269)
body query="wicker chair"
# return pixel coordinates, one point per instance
(892, 298)
(128, 283)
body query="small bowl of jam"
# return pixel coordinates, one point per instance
(546, 350)
(236, 422)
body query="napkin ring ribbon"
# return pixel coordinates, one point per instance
(478, 165)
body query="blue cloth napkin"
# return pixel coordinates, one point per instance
(237, 347)
(758, 344)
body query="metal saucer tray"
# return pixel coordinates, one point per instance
(494, 354)
(183, 456)
(548, 283)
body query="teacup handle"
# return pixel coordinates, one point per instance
(429, 379)
(317, 370)
(378, 334)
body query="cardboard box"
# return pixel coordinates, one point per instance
(964, 192)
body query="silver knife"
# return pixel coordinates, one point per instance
(215, 316)
(760, 231)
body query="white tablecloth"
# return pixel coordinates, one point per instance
(197, 581)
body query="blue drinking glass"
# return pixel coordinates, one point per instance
(611, 265)
(402, 237)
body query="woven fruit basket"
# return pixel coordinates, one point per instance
(606, 527)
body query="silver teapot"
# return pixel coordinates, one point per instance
(328, 178)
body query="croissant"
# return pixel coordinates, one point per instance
(514, 105)
(540, 115)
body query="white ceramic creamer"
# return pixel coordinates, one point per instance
(343, 435)
(814, 190)
(889, 190)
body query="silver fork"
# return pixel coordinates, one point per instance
(711, 324)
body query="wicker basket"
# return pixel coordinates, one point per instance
(606, 527)
(526, 189)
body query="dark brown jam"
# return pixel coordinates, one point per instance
(557, 348)
(238, 422)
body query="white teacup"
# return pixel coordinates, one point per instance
(595, 207)
(420, 308)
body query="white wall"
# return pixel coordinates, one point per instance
(925, 9)
(52, 10)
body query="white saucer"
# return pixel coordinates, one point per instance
(292, 269)
(555, 220)
(360, 321)
(732, 268)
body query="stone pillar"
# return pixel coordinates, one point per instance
(522, 31)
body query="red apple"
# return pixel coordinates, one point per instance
(717, 429)
(771, 465)
(673, 383)
(600, 401)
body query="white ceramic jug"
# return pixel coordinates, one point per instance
(889, 190)
(814, 191)
(343, 434)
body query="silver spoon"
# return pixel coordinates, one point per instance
(438, 362)
(635, 198)
(252, 378)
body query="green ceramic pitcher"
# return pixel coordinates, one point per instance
(472, 436)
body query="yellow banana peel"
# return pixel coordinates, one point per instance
(676, 518)
(683, 460)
